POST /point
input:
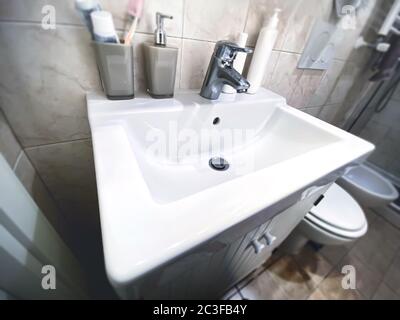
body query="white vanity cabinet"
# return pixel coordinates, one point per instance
(271, 236)
(209, 270)
(173, 226)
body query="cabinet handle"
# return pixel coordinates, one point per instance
(257, 245)
(269, 238)
(310, 191)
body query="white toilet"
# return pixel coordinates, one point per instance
(368, 187)
(336, 220)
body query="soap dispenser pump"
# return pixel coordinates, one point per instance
(160, 62)
(159, 34)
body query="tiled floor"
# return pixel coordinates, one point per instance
(316, 274)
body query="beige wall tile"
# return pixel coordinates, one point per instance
(67, 170)
(214, 20)
(48, 74)
(296, 20)
(118, 9)
(9, 146)
(299, 24)
(269, 71)
(329, 112)
(260, 11)
(321, 95)
(31, 10)
(286, 75)
(344, 84)
(172, 7)
(346, 44)
(39, 193)
(196, 57)
(306, 87)
(314, 111)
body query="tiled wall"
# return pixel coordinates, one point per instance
(23, 169)
(44, 75)
(384, 131)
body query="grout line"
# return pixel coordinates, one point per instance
(269, 80)
(180, 65)
(247, 16)
(390, 265)
(38, 23)
(59, 142)
(183, 17)
(18, 159)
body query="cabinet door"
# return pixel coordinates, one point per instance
(284, 223)
(241, 265)
(276, 231)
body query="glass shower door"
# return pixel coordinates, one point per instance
(383, 129)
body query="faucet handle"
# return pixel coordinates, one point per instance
(227, 51)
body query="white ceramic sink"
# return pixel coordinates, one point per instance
(158, 194)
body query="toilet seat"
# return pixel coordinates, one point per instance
(338, 214)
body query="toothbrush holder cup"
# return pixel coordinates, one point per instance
(115, 63)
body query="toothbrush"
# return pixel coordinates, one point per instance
(135, 9)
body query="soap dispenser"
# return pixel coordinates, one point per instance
(160, 62)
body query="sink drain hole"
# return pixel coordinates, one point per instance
(219, 164)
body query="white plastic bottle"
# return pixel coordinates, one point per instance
(265, 43)
(239, 62)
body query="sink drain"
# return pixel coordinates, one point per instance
(219, 164)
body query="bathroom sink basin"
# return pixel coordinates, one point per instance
(250, 137)
(159, 196)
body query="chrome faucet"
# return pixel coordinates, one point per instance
(220, 71)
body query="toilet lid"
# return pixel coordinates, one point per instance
(339, 210)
